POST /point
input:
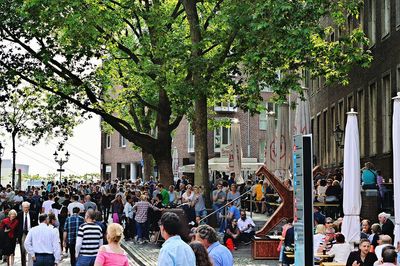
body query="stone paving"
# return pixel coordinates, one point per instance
(147, 254)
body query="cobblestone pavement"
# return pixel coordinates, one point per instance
(65, 261)
(147, 254)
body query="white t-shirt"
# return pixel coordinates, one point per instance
(340, 252)
(243, 225)
(74, 204)
(47, 206)
(318, 240)
(378, 250)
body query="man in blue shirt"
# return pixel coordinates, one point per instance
(233, 212)
(174, 252)
(219, 254)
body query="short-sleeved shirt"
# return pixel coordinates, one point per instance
(235, 212)
(176, 252)
(369, 177)
(47, 205)
(92, 237)
(220, 255)
(71, 226)
(220, 195)
(165, 197)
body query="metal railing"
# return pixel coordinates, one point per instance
(229, 202)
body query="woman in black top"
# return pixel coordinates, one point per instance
(362, 257)
(232, 232)
(106, 203)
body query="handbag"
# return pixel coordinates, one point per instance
(115, 217)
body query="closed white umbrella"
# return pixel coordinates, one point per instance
(351, 182)
(302, 122)
(237, 152)
(175, 163)
(270, 147)
(396, 165)
(283, 143)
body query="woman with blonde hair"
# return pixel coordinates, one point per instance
(9, 226)
(112, 254)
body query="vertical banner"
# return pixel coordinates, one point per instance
(303, 200)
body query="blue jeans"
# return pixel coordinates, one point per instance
(44, 260)
(85, 260)
(141, 230)
(220, 221)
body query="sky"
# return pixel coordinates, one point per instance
(83, 147)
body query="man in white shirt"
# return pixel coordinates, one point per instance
(341, 250)
(47, 205)
(43, 243)
(384, 240)
(246, 225)
(75, 203)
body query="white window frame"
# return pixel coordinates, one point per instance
(262, 118)
(122, 141)
(229, 106)
(108, 141)
(190, 140)
(333, 118)
(220, 140)
(385, 18)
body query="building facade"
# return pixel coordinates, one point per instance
(119, 160)
(369, 92)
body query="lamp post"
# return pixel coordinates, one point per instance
(61, 160)
(1, 155)
(338, 134)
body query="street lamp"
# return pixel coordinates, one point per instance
(338, 134)
(61, 160)
(1, 155)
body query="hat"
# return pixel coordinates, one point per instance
(384, 214)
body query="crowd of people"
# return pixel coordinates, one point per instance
(86, 221)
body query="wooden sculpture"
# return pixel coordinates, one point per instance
(264, 247)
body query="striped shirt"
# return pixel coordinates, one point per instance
(90, 238)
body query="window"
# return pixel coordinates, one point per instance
(350, 102)
(398, 78)
(122, 141)
(190, 139)
(222, 138)
(361, 115)
(262, 151)
(386, 113)
(108, 141)
(307, 81)
(373, 115)
(385, 18)
(326, 137)
(372, 21)
(341, 122)
(226, 107)
(332, 137)
(266, 88)
(397, 13)
(350, 24)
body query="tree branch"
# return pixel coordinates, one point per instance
(175, 123)
(214, 11)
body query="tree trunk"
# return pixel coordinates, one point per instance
(200, 117)
(147, 166)
(164, 163)
(14, 168)
(201, 147)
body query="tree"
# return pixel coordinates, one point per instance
(24, 114)
(152, 62)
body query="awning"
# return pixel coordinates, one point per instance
(222, 165)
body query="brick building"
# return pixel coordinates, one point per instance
(119, 160)
(369, 92)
